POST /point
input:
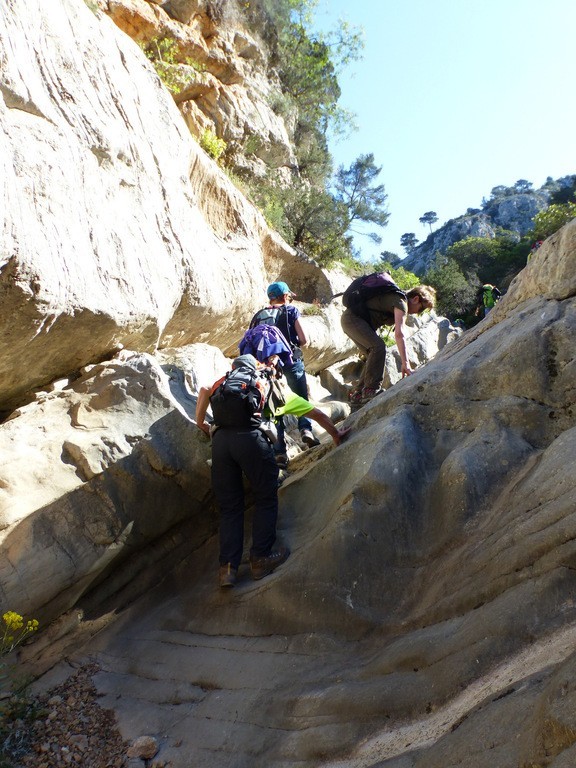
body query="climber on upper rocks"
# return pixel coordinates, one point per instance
(372, 301)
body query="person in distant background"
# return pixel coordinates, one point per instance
(490, 295)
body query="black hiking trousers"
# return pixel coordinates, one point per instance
(236, 452)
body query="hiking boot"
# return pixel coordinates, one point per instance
(308, 437)
(262, 566)
(355, 397)
(282, 460)
(228, 575)
(369, 394)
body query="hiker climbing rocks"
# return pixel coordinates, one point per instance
(239, 401)
(533, 250)
(490, 295)
(284, 316)
(372, 301)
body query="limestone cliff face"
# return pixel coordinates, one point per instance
(118, 231)
(429, 596)
(229, 85)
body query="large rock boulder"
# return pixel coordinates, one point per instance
(92, 472)
(118, 230)
(429, 594)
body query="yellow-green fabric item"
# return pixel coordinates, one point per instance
(294, 406)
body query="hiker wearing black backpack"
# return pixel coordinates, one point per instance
(282, 314)
(372, 301)
(242, 446)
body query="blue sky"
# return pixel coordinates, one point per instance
(454, 98)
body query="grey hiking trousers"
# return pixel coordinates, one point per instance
(370, 344)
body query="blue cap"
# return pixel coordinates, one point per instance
(275, 290)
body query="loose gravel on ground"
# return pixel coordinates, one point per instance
(64, 728)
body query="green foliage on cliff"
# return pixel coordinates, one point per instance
(455, 294)
(212, 145)
(315, 212)
(176, 73)
(549, 221)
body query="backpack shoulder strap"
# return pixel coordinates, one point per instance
(256, 318)
(216, 384)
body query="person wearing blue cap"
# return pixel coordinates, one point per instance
(286, 317)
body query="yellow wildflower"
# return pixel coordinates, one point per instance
(13, 620)
(15, 630)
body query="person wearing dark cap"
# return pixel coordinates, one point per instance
(243, 448)
(286, 317)
(237, 451)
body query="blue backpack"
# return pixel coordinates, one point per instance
(276, 316)
(263, 341)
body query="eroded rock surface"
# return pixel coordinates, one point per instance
(119, 231)
(429, 594)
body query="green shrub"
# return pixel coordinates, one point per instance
(313, 309)
(174, 73)
(281, 104)
(550, 220)
(456, 295)
(211, 144)
(252, 144)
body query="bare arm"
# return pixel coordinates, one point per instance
(326, 423)
(300, 333)
(202, 404)
(399, 331)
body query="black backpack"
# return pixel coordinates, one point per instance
(364, 288)
(240, 399)
(276, 316)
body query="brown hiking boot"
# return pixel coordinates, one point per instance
(368, 393)
(262, 566)
(228, 575)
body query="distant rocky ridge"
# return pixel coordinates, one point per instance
(513, 212)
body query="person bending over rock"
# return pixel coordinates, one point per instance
(369, 310)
